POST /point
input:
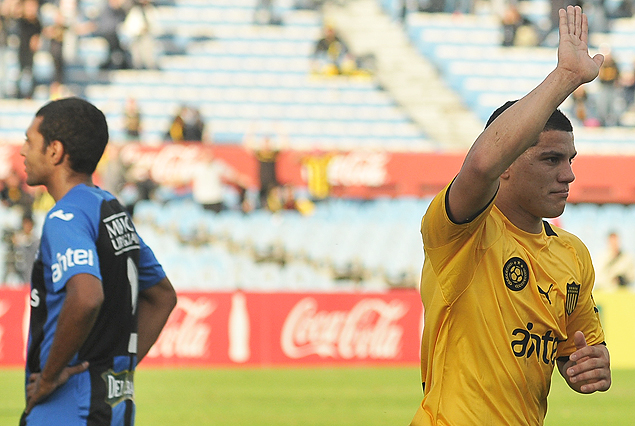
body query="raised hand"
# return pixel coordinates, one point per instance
(573, 50)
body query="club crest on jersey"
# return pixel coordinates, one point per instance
(573, 291)
(516, 274)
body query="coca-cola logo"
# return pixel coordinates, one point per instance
(370, 330)
(172, 164)
(358, 168)
(186, 334)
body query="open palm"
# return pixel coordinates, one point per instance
(573, 50)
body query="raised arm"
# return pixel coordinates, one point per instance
(518, 127)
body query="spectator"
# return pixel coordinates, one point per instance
(625, 9)
(609, 89)
(275, 201)
(136, 189)
(13, 193)
(267, 156)
(193, 125)
(597, 12)
(264, 13)
(288, 198)
(554, 20)
(517, 30)
(132, 119)
(434, 6)
(208, 182)
(55, 33)
(616, 268)
(29, 30)
(42, 200)
(25, 243)
(5, 18)
(331, 55)
(582, 109)
(316, 168)
(141, 27)
(107, 26)
(175, 131)
(628, 83)
(187, 125)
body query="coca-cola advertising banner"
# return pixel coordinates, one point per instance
(372, 173)
(360, 173)
(241, 328)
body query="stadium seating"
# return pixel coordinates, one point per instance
(239, 75)
(344, 245)
(467, 50)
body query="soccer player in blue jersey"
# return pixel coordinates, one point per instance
(99, 298)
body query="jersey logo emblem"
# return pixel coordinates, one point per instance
(545, 293)
(120, 386)
(61, 215)
(573, 291)
(516, 274)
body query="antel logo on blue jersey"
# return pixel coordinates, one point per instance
(69, 259)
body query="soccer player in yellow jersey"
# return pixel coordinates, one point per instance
(506, 295)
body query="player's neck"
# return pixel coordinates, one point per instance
(520, 217)
(59, 188)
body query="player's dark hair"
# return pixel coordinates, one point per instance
(80, 127)
(557, 121)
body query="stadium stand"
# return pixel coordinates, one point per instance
(240, 74)
(344, 245)
(467, 51)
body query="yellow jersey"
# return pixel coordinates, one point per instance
(500, 306)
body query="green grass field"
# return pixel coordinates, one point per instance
(362, 396)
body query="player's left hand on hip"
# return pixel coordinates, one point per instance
(39, 389)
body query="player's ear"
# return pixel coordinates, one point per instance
(56, 151)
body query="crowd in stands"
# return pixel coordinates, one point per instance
(615, 87)
(129, 28)
(20, 238)
(614, 95)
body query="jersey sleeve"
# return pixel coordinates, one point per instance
(580, 307)
(451, 249)
(150, 270)
(69, 246)
(438, 229)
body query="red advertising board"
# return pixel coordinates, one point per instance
(361, 173)
(14, 323)
(263, 329)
